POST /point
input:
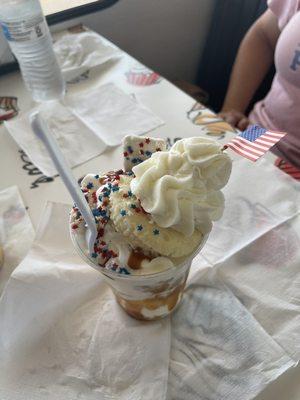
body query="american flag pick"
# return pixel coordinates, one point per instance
(254, 142)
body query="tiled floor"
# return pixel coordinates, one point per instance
(54, 6)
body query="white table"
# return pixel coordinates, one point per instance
(183, 116)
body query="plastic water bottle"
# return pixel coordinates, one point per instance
(27, 32)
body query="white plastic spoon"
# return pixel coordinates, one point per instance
(43, 132)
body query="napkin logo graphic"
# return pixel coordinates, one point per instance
(288, 168)
(33, 170)
(8, 108)
(214, 126)
(142, 76)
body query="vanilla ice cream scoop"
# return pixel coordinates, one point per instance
(141, 231)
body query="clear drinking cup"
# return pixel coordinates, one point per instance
(144, 297)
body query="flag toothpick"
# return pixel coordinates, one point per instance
(254, 142)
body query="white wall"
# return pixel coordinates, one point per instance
(166, 35)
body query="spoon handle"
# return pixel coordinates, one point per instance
(42, 131)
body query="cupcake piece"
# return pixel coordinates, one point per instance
(136, 149)
(142, 76)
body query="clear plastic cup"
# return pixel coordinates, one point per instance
(144, 297)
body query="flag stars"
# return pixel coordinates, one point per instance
(139, 228)
(96, 212)
(123, 213)
(129, 149)
(89, 185)
(155, 232)
(124, 271)
(136, 160)
(101, 233)
(115, 188)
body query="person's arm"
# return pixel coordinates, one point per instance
(254, 58)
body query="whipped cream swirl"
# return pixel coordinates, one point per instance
(180, 188)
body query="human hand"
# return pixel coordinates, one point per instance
(235, 118)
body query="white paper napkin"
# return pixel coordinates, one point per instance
(84, 126)
(112, 114)
(258, 198)
(16, 231)
(268, 284)
(79, 52)
(77, 141)
(64, 337)
(219, 351)
(238, 328)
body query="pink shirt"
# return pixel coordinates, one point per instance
(280, 109)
